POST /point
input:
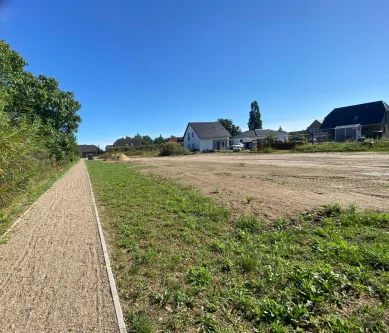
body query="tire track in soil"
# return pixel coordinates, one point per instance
(52, 271)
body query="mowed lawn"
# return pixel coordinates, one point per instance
(183, 265)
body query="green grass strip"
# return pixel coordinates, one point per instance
(182, 264)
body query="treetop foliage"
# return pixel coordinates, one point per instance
(39, 98)
(255, 121)
(230, 127)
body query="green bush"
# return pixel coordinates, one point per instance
(136, 150)
(170, 148)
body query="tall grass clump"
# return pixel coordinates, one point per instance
(22, 157)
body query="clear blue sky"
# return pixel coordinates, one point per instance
(153, 66)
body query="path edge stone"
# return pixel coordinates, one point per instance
(112, 284)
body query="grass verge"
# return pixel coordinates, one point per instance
(182, 265)
(378, 146)
(32, 192)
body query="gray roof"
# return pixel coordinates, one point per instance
(247, 134)
(87, 149)
(126, 142)
(257, 133)
(209, 130)
(364, 114)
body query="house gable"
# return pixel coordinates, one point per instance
(191, 139)
(205, 135)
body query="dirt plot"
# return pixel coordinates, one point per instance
(281, 185)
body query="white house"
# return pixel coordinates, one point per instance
(206, 135)
(250, 138)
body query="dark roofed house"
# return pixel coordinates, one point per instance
(85, 150)
(206, 136)
(373, 117)
(126, 142)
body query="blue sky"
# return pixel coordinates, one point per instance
(152, 66)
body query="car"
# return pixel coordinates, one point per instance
(91, 157)
(237, 146)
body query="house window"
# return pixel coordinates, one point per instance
(241, 140)
(192, 134)
(356, 117)
(188, 136)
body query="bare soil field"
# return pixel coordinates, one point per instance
(52, 270)
(278, 185)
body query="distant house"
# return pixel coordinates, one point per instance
(126, 142)
(250, 138)
(174, 139)
(85, 150)
(206, 135)
(314, 127)
(373, 118)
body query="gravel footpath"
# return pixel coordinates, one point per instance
(52, 274)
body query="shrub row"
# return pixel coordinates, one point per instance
(163, 149)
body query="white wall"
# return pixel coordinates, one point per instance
(284, 137)
(206, 144)
(193, 142)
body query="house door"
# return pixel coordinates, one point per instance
(218, 145)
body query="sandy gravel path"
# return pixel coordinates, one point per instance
(52, 274)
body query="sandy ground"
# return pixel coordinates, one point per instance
(52, 274)
(281, 184)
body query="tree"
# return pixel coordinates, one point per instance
(270, 138)
(143, 139)
(255, 121)
(39, 100)
(159, 140)
(138, 138)
(230, 127)
(280, 129)
(146, 140)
